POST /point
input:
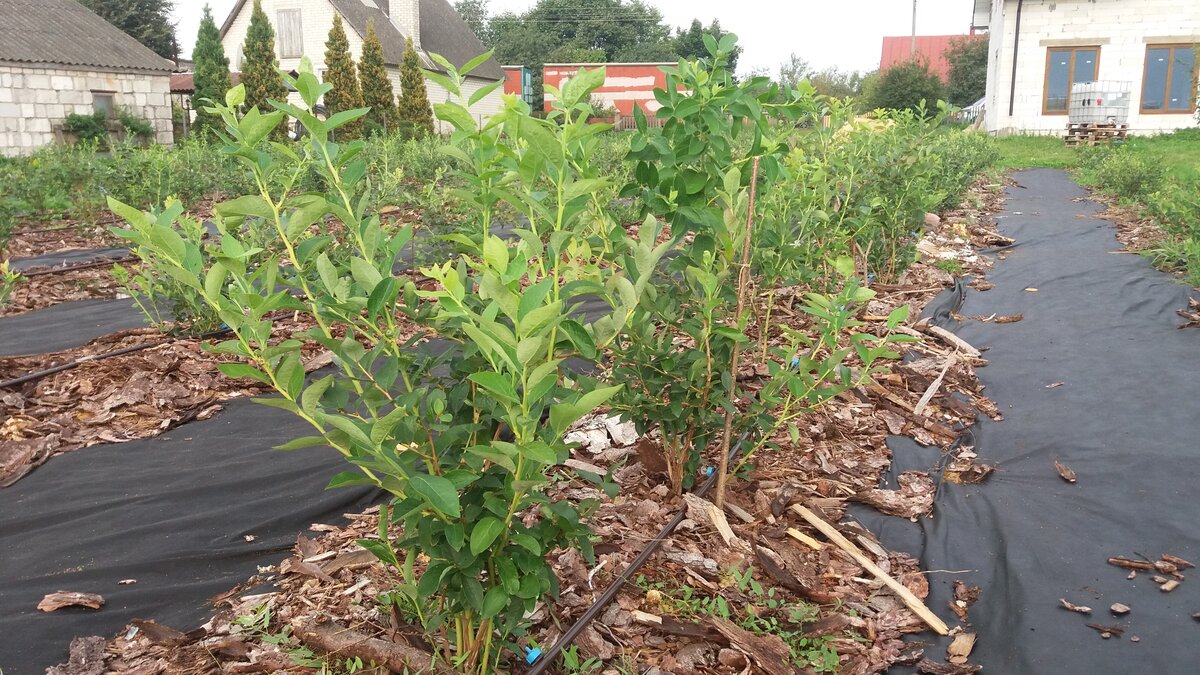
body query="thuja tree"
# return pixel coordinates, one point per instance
(376, 87)
(260, 70)
(211, 79)
(414, 100)
(463, 424)
(342, 78)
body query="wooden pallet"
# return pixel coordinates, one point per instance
(1093, 133)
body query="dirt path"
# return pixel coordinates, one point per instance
(1098, 377)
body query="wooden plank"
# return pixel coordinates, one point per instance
(911, 601)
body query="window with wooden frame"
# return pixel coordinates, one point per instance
(291, 37)
(1169, 80)
(1066, 66)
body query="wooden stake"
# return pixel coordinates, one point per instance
(913, 602)
(743, 284)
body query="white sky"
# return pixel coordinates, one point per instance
(843, 33)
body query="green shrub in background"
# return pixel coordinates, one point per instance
(905, 86)
(1125, 174)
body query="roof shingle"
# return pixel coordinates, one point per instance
(64, 32)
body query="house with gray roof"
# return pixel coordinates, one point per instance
(302, 27)
(58, 58)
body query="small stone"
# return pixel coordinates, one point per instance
(732, 658)
(660, 490)
(932, 220)
(1134, 638)
(1106, 635)
(1119, 609)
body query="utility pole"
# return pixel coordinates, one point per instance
(912, 52)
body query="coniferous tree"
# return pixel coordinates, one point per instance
(260, 69)
(147, 21)
(342, 76)
(376, 87)
(415, 112)
(211, 79)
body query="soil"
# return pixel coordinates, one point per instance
(839, 458)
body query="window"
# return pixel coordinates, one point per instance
(103, 101)
(1169, 83)
(291, 39)
(1066, 66)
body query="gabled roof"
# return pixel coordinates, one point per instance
(443, 32)
(64, 32)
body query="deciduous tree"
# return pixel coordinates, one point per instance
(968, 59)
(211, 79)
(475, 14)
(343, 77)
(148, 21)
(905, 85)
(376, 87)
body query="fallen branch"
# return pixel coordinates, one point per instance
(344, 642)
(952, 340)
(933, 388)
(913, 602)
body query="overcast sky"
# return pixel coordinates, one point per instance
(843, 33)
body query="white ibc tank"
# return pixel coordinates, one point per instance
(1102, 102)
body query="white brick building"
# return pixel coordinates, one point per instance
(1038, 48)
(58, 58)
(302, 28)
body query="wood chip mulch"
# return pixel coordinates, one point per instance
(329, 585)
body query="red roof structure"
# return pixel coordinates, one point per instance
(930, 48)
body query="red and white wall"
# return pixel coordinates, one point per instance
(626, 85)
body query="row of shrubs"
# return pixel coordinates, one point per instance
(469, 441)
(74, 181)
(1139, 177)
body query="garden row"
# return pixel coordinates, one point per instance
(721, 321)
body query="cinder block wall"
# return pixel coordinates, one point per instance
(33, 99)
(1121, 28)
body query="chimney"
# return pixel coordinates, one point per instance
(406, 15)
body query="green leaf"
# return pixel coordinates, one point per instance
(580, 338)
(482, 92)
(494, 456)
(484, 533)
(347, 479)
(438, 491)
(495, 252)
(494, 601)
(475, 63)
(381, 550)
(303, 442)
(214, 281)
(496, 384)
(312, 395)
(455, 114)
(247, 205)
(582, 84)
(309, 209)
(563, 415)
(241, 370)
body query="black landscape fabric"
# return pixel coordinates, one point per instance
(172, 513)
(66, 326)
(1097, 376)
(68, 258)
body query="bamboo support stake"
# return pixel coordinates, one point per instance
(913, 602)
(743, 283)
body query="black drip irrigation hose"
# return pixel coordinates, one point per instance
(32, 377)
(545, 660)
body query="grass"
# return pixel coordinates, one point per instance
(1179, 153)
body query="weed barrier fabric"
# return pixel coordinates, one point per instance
(66, 326)
(172, 512)
(68, 258)
(1126, 418)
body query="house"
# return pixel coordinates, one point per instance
(59, 58)
(930, 49)
(626, 85)
(302, 27)
(1039, 48)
